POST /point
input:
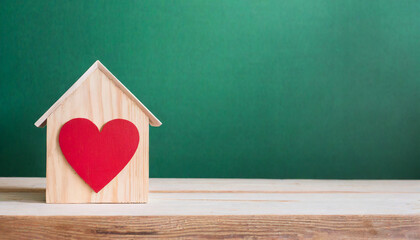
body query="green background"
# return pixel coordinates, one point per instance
(244, 88)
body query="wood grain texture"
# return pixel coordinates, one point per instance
(182, 197)
(211, 227)
(232, 185)
(42, 121)
(221, 209)
(99, 100)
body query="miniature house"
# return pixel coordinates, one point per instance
(100, 97)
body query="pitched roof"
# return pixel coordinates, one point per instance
(42, 121)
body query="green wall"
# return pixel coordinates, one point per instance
(244, 88)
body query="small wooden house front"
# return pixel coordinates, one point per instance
(99, 97)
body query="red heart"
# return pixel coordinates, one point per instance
(98, 156)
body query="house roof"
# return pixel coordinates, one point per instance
(42, 121)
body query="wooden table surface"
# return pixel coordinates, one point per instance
(222, 208)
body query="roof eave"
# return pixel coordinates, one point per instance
(42, 121)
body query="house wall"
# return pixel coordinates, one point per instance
(99, 100)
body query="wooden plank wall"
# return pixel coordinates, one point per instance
(99, 100)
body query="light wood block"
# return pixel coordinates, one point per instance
(100, 100)
(221, 208)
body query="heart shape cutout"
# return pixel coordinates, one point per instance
(98, 156)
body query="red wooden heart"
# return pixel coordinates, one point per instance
(98, 156)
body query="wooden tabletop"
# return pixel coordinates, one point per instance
(222, 208)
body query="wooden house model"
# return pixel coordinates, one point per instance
(99, 97)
